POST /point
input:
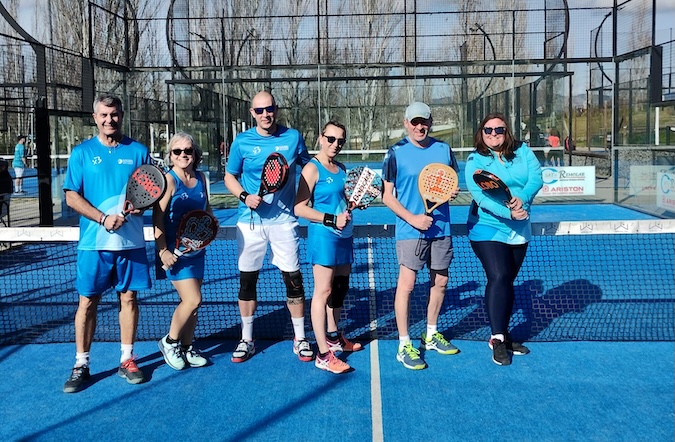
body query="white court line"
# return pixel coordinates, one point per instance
(375, 390)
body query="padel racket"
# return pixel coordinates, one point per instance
(493, 186)
(145, 187)
(196, 230)
(362, 186)
(437, 182)
(274, 174)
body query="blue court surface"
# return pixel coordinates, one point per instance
(565, 391)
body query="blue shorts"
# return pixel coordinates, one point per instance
(124, 270)
(187, 267)
(327, 249)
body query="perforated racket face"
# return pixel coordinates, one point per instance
(274, 174)
(145, 187)
(492, 186)
(436, 183)
(197, 229)
(362, 186)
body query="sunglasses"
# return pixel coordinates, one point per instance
(331, 140)
(419, 120)
(187, 151)
(498, 130)
(269, 109)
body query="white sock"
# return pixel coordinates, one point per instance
(299, 328)
(247, 328)
(498, 336)
(81, 359)
(127, 352)
(402, 341)
(431, 330)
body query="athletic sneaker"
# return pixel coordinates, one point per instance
(342, 344)
(303, 349)
(331, 363)
(517, 348)
(194, 357)
(173, 354)
(438, 343)
(410, 357)
(130, 371)
(243, 352)
(79, 377)
(500, 354)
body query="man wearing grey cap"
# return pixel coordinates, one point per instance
(420, 238)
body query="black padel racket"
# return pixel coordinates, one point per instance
(196, 230)
(493, 186)
(145, 187)
(274, 174)
(362, 186)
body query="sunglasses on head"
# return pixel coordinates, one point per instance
(269, 109)
(188, 151)
(331, 140)
(498, 130)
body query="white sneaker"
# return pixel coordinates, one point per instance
(173, 354)
(194, 357)
(243, 352)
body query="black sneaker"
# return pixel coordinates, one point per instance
(517, 348)
(500, 354)
(78, 379)
(130, 371)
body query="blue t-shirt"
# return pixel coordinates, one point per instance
(184, 200)
(19, 154)
(490, 220)
(402, 166)
(247, 156)
(329, 197)
(100, 175)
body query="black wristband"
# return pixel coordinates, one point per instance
(242, 196)
(329, 219)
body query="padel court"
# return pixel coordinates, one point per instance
(596, 310)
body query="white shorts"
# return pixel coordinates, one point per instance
(18, 172)
(252, 245)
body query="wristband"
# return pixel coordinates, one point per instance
(102, 220)
(242, 196)
(329, 220)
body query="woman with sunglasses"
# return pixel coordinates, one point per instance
(321, 200)
(499, 233)
(185, 191)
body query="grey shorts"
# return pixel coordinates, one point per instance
(436, 253)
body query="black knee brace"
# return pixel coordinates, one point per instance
(338, 291)
(295, 290)
(248, 282)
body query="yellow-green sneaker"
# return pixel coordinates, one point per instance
(410, 357)
(439, 343)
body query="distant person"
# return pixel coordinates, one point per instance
(273, 223)
(111, 250)
(499, 233)
(19, 164)
(557, 155)
(321, 200)
(186, 190)
(421, 239)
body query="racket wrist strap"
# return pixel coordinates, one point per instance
(329, 219)
(242, 196)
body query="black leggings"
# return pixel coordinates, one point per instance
(501, 263)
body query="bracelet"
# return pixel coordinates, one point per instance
(102, 220)
(242, 196)
(162, 251)
(329, 219)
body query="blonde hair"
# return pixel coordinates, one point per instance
(197, 155)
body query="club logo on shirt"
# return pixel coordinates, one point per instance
(96, 160)
(184, 196)
(281, 148)
(125, 161)
(256, 150)
(329, 180)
